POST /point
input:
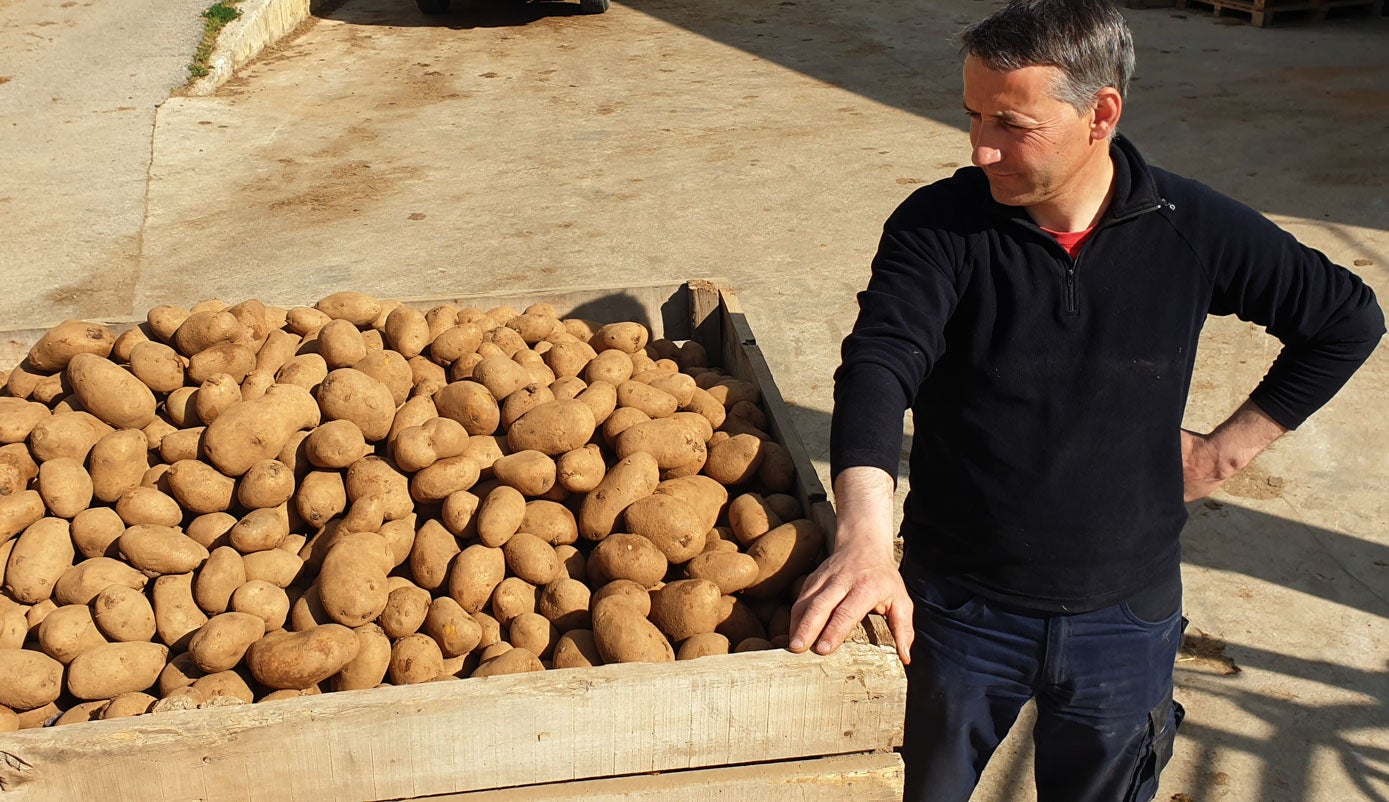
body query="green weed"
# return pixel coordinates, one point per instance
(215, 18)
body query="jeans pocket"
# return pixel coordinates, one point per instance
(1156, 750)
(935, 593)
(1134, 618)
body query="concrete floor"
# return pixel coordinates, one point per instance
(532, 147)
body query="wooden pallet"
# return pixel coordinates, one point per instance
(1264, 12)
(770, 726)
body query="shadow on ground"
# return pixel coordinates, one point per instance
(1199, 103)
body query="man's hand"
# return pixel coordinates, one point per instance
(1209, 459)
(845, 588)
(860, 576)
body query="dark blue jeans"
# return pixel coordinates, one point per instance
(1102, 681)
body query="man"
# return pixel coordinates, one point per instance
(1039, 314)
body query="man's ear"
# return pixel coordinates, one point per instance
(1108, 108)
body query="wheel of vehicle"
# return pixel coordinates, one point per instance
(432, 6)
(593, 6)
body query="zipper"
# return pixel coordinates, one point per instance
(1073, 265)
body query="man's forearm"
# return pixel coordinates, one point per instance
(863, 497)
(1242, 437)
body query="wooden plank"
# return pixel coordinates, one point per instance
(743, 358)
(468, 735)
(705, 312)
(871, 777)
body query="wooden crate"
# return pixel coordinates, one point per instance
(766, 725)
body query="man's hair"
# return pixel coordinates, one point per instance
(1087, 40)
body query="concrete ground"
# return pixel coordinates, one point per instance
(526, 146)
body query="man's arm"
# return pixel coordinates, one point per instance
(1209, 459)
(861, 575)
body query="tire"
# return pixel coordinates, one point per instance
(593, 6)
(432, 6)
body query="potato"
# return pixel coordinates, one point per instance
(418, 447)
(16, 622)
(455, 343)
(212, 530)
(565, 602)
(750, 517)
(506, 340)
(500, 516)
(531, 473)
(630, 479)
(577, 649)
(164, 320)
(220, 644)
(352, 582)
(69, 631)
(471, 404)
(414, 659)
(524, 400)
(533, 327)
(219, 576)
(176, 613)
(305, 370)
(405, 610)
(407, 331)
(786, 507)
(321, 496)
(18, 418)
(654, 402)
(553, 428)
(369, 667)
(754, 645)
(28, 679)
(118, 461)
(123, 614)
(206, 329)
(267, 602)
(66, 434)
(305, 320)
(348, 394)
(630, 557)
(458, 513)
(159, 550)
(258, 429)
(534, 633)
(222, 688)
(628, 338)
(431, 554)
(267, 483)
(704, 644)
(83, 581)
(707, 496)
(475, 575)
(550, 521)
(443, 478)
(569, 358)
(128, 704)
(65, 486)
(183, 444)
(451, 627)
(357, 308)
(620, 421)
(341, 344)
(57, 347)
(18, 512)
(738, 622)
(531, 558)
(513, 661)
(731, 571)
(179, 674)
(216, 395)
(335, 444)
(199, 488)
(500, 377)
(674, 443)
(730, 392)
(512, 597)
(705, 405)
(670, 523)
(114, 669)
(686, 608)
(156, 432)
(41, 555)
(776, 472)
(279, 348)
(298, 660)
(601, 398)
(623, 635)
(234, 361)
(783, 555)
(23, 381)
(373, 476)
(568, 387)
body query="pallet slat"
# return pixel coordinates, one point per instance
(450, 737)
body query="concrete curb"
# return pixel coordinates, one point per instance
(261, 24)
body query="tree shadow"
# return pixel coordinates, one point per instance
(461, 15)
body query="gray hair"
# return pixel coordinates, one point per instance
(1087, 40)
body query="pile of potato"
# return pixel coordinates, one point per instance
(240, 503)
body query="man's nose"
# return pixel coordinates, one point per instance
(985, 155)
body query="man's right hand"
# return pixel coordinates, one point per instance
(860, 576)
(850, 584)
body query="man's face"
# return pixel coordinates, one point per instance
(1030, 145)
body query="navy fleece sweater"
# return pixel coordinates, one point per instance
(1048, 393)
